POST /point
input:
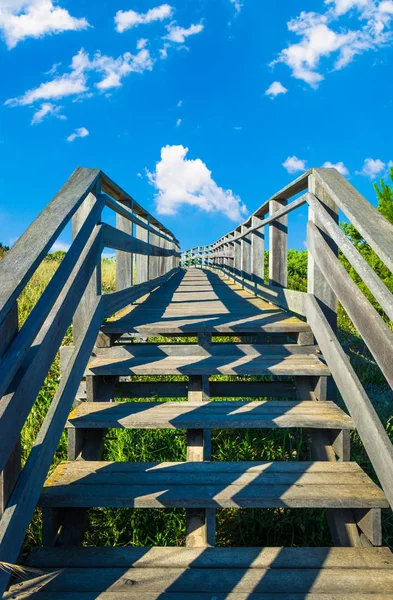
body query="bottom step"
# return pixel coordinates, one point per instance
(207, 574)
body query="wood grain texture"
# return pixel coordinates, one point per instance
(365, 418)
(376, 230)
(376, 334)
(209, 415)
(211, 485)
(20, 262)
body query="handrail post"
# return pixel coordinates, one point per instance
(246, 256)
(141, 260)
(8, 477)
(237, 260)
(316, 282)
(93, 289)
(278, 246)
(257, 253)
(124, 260)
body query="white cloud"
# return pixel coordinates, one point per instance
(126, 19)
(179, 34)
(238, 128)
(372, 167)
(178, 122)
(341, 168)
(47, 109)
(323, 36)
(21, 19)
(80, 132)
(180, 181)
(63, 246)
(293, 164)
(237, 4)
(275, 89)
(111, 70)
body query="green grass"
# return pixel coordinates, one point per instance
(234, 527)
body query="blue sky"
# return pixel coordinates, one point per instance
(200, 109)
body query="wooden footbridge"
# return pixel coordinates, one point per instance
(213, 312)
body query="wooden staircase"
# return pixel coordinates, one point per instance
(275, 376)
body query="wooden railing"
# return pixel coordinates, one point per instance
(147, 254)
(240, 256)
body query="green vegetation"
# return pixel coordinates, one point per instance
(234, 527)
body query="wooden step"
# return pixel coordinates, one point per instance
(208, 415)
(211, 485)
(191, 359)
(204, 574)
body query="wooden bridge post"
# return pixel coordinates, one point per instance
(238, 259)
(200, 523)
(257, 253)
(278, 246)
(141, 260)
(317, 283)
(8, 330)
(93, 288)
(246, 256)
(154, 261)
(124, 260)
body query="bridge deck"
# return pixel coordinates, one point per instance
(199, 300)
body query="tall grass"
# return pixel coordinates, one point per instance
(234, 527)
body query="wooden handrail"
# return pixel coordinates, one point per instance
(114, 190)
(376, 334)
(129, 214)
(20, 262)
(118, 240)
(26, 493)
(17, 403)
(372, 433)
(379, 290)
(376, 230)
(16, 353)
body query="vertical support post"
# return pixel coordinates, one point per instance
(142, 260)
(154, 261)
(238, 258)
(93, 288)
(246, 256)
(124, 260)
(258, 253)
(8, 477)
(316, 283)
(200, 523)
(278, 246)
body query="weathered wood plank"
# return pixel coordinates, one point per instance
(20, 262)
(10, 473)
(278, 247)
(24, 498)
(364, 270)
(113, 189)
(316, 281)
(255, 581)
(206, 485)
(93, 287)
(123, 209)
(376, 334)
(365, 418)
(16, 404)
(375, 229)
(214, 558)
(211, 415)
(118, 240)
(124, 260)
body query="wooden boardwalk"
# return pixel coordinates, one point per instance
(147, 356)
